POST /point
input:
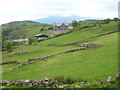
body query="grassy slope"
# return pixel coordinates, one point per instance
(32, 51)
(36, 30)
(82, 34)
(89, 64)
(32, 29)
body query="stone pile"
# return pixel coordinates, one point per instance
(74, 50)
(118, 76)
(21, 53)
(31, 83)
(89, 45)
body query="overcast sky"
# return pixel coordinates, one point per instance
(13, 10)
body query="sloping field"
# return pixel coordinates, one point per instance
(91, 64)
(82, 34)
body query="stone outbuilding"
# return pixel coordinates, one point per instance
(62, 26)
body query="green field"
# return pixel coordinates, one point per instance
(82, 34)
(90, 64)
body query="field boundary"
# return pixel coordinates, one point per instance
(84, 47)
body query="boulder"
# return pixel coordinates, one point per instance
(109, 79)
(118, 76)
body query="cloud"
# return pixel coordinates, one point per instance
(11, 10)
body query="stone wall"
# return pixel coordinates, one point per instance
(11, 62)
(31, 83)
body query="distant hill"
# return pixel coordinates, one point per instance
(61, 19)
(21, 23)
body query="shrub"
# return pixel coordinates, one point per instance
(8, 46)
(106, 21)
(68, 80)
(31, 40)
(60, 79)
(42, 29)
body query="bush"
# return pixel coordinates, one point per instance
(75, 23)
(8, 46)
(60, 79)
(116, 19)
(31, 40)
(50, 28)
(68, 80)
(42, 29)
(106, 21)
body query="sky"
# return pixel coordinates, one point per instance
(17, 10)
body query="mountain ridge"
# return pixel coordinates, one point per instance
(60, 19)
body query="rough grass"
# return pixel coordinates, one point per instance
(33, 51)
(93, 64)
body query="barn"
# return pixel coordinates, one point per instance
(40, 36)
(62, 26)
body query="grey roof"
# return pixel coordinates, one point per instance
(38, 34)
(59, 24)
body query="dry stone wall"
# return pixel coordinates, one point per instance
(46, 82)
(85, 46)
(11, 62)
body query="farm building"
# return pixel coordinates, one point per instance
(39, 36)
(8, 38)
(62, 26)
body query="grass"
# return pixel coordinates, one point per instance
(82, 34)
(33, 51)
(31, 29)
(91, 64)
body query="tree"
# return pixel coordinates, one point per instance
(8, 46)
(42, 29)
(31, 40)
(75, 23)
(106, 21)
(116, 19)
(99, 24)
(50, 28)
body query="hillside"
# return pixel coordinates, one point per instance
(27, 28)
(81, 34)
(71, 60)
(20, 23)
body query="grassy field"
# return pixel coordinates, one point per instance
(82, 34)
(91, 64)
(33, 51)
